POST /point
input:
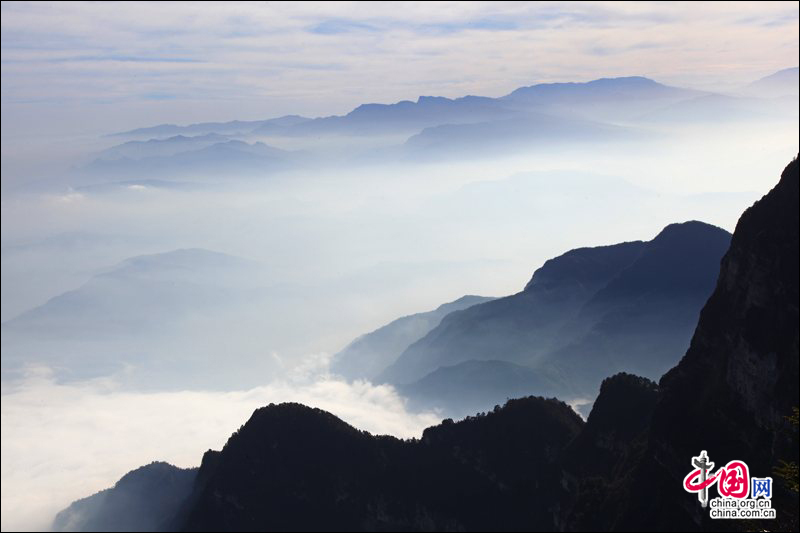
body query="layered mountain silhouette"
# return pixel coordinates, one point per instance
(143, 500)
(528, 130)
(143, 290)
(473, 386)
(234, 127)
(537, 118)
(785, 82)
(161, 147)
(626, 307)
(134, 311)
(368, 355)
(598, 99)
(534, 464)
(190, 157)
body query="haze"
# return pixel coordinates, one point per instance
(158, 284)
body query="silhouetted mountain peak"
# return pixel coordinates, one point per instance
(288, 421)
(624, 403)
(629, 81)
(549, 417)
(690, 230)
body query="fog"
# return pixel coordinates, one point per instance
(62, 442)
(158, 285)
(166, 312)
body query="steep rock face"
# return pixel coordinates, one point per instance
(142, 500)
(739, 379)
(295, 468)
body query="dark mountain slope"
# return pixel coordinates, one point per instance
(630, 307)
(143, 500)
(516, 328)
(739, 379)
(729, 395)
(295, 468)
(642, 321)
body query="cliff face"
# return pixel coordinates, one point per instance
(729, 394)
(738, 381)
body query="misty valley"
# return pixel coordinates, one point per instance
(346, 301)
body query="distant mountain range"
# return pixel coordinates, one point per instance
(587, 313)
(534, 464)
(234, 127)
(134, 310)
(208, 156)
(531, 119)
(785, 82)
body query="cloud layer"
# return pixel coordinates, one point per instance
(64, 442)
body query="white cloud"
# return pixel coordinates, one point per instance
(61, 442)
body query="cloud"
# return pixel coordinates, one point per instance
(252, 59)
(61, 442)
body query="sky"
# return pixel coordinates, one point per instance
(344, 249)
(72, 67)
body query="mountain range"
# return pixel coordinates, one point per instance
(537, 118)
(157, 310)
(625, 307)
(534, 464)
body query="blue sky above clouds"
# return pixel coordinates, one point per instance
(110, 66)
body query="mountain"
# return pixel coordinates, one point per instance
(642, 321)
(158, 311)
(368, 355)
(160, 147)
(534, 464)
(785, 82)
(730, 395)
(295, 468)
(406, 117)
(216, 160)
(516, 328)
(235, 127)
(143, 500)
(611, 99)
(143, 289)
(527, 130)
(737, 383)
(614, 99)
(587, 313)
(473, 386)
